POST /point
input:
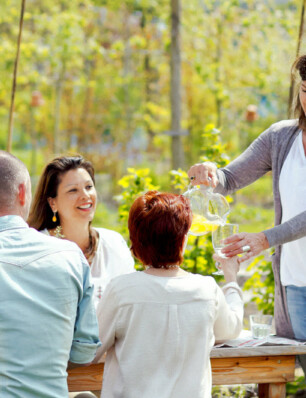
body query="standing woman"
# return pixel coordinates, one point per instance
(64, 206)
(282, 150)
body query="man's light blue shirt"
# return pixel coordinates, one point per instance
(47, 315)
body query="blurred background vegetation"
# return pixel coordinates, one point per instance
(94, 78)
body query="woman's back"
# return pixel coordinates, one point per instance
(159, 332)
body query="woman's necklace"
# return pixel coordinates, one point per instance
(88, 252)
(58, 232)
(167, 267)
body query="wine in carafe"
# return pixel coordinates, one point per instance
(201, 226)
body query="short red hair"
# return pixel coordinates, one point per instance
(158, 223)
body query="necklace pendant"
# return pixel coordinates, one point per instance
(58, 232)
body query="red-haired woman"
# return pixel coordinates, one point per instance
(159, 325)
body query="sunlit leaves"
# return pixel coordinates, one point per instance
(136, 182)
(111, 62)
(261, 284)
(179, 180)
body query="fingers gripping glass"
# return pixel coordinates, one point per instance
(218, 236)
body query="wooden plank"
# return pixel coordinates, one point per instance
(86, 378)
(277, 390)
(258, 351)
(253, 370)
(239, 370)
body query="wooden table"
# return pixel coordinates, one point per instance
(271, 367)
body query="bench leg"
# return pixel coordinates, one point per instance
(272, 390)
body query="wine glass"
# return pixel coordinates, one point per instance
(218, 236)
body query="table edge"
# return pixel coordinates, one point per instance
(276, 350)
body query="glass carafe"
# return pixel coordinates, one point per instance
(209, 209)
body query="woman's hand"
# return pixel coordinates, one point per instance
(229, 266)
(249, 243)
(203, 173)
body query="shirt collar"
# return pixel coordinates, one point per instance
(12, 222)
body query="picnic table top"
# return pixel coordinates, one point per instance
(263, 350)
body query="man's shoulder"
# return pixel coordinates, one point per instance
(22, 246)
(51, 242)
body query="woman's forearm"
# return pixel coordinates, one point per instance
(293, 229)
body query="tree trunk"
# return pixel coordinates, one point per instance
(12, 107)
(175, 89)
(217, 75)
(34, 143)
(57, 117)
(57, 145)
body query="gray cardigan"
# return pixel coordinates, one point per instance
(268, 152)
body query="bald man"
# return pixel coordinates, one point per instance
(47, 316)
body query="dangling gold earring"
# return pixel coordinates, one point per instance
(54, 219)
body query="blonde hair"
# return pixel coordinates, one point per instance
(298, 69)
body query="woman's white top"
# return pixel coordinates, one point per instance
(158, 333)
(112, 258)
(292, 187)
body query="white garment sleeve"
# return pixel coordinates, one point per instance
(85, 338)
(107, 311)
(127, 254)
(229, 312)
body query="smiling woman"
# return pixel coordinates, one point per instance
(64, 206)
(75, 204)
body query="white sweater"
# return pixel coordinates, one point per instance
(158, 333)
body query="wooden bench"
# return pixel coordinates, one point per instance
(86, 378)
(271, 367)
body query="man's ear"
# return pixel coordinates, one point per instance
(22, 194)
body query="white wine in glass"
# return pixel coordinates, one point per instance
(218, 236)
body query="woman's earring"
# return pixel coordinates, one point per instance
(54, 219)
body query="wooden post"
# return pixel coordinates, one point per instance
(175, 86)
(217, 74)
(57, 116)
(273, 390)
(12, 107)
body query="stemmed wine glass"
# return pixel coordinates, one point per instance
(218, 236)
